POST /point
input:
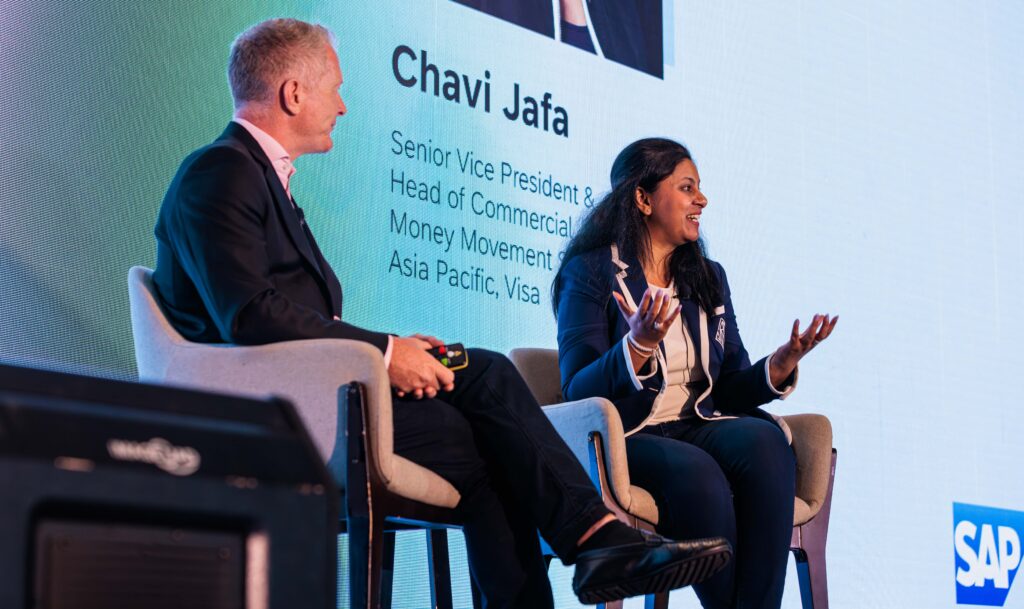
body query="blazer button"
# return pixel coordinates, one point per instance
(717, 413)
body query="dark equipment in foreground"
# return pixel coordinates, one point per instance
(133, 495)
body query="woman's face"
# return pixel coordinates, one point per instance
(673, 209)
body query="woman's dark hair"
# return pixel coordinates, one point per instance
(616, 219)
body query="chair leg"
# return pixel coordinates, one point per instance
(366, 553)
(440, 571)
(812, 573)
(478, 599)
(651, 601)
(387, 569)
(808, 547)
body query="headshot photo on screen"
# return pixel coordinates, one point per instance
(626, 33)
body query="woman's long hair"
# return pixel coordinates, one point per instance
(616, 219)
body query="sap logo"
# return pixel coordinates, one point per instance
(986, 543)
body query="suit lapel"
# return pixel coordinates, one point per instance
(291, 219)
(696, 320)
(691, 317)
(633, 284)
(333, 285)
(287, 211)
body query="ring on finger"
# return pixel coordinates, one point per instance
(657, 326)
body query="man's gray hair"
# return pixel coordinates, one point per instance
(269, 51)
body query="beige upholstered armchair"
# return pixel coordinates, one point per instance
(594, 432)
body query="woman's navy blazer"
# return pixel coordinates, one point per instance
(593, 353)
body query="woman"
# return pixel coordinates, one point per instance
(645, 320)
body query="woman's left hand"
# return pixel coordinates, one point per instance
(786, 357)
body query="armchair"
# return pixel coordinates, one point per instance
(340, 389)
(604, 454)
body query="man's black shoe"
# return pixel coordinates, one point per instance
(654, 565)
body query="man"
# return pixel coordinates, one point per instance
(237, 263)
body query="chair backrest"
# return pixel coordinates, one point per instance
(154, 336)
(539, 368)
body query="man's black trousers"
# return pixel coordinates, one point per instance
(516, 476)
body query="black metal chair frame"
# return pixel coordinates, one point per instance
(371, 515)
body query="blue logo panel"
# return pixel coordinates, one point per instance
(987, 553)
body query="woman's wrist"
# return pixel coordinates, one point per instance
(639, 348)
(780, 367)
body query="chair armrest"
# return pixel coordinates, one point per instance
(306, 372)
(576, 421)
(812, 444)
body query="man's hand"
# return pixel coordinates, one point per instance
(433, 340)
(415, 372)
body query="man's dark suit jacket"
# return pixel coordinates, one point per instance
(235, 262)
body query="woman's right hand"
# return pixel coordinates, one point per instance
(649, 323)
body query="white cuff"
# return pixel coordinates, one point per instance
(387, 352)
(637, 380)
(768, 378)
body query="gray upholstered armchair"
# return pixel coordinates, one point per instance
(322, 378)
(604, 452)
(306, 372)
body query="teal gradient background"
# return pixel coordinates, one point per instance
(859, 159)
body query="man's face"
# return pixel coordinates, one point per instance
(322, 105)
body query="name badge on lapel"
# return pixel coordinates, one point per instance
(720, 334)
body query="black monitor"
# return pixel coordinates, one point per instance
(118, 494)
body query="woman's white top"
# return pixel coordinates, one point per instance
(684, 379)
